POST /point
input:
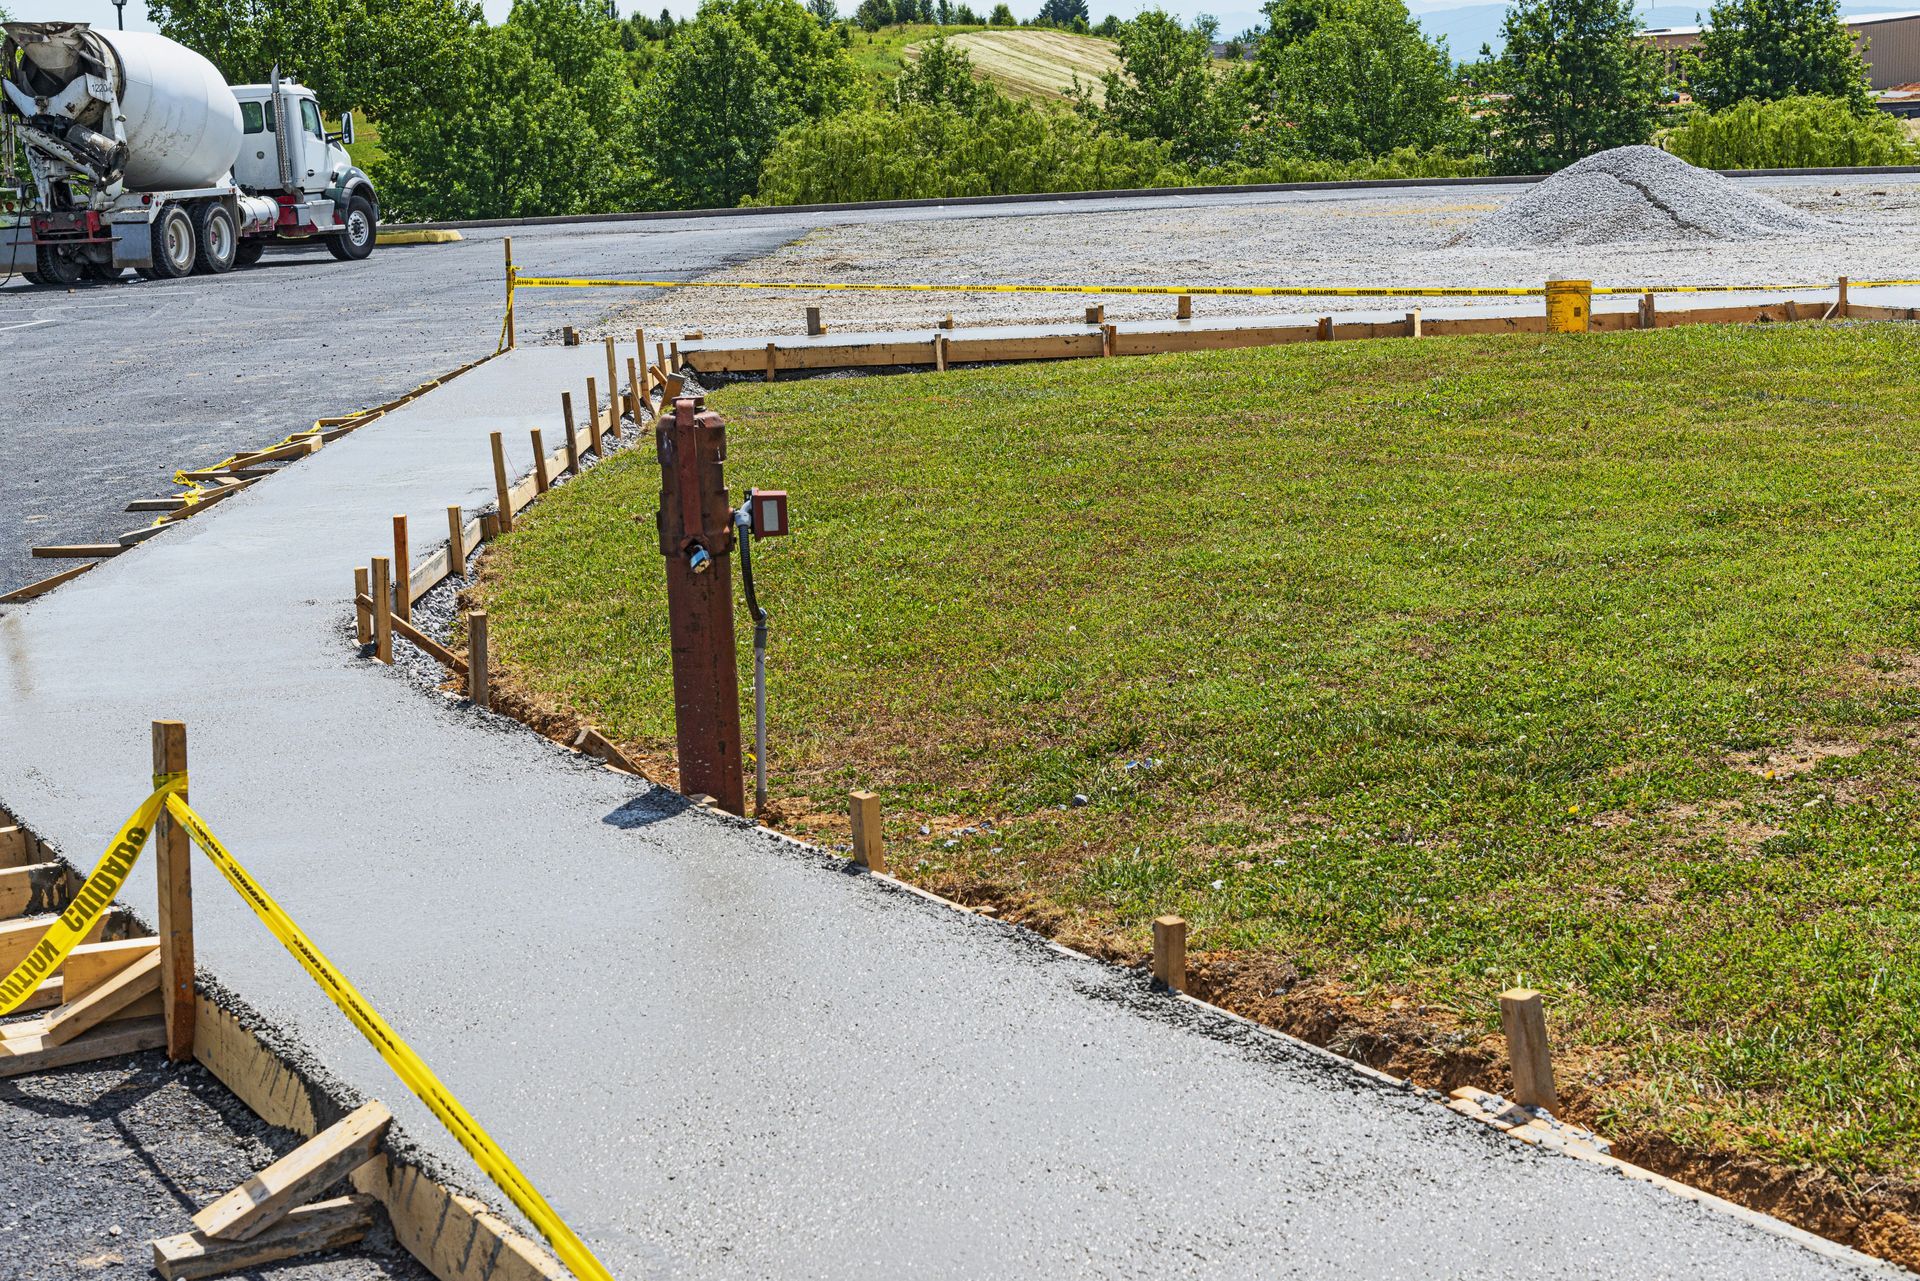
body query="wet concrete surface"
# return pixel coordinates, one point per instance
(716, 1053)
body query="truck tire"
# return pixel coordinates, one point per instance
(356, 241)
(216, 239)
(55, 268)
(174, 250)
(250, 251)
(104, 272)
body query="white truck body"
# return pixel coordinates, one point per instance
(142, 156)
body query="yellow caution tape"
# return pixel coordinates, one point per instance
(518, 281)
(1216, 291)
(99, 891)
(407, 1065)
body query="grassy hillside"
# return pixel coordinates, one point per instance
(1404, 671)
(1038, 63)
(1024, 62)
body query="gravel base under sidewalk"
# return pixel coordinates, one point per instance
(97, 1160)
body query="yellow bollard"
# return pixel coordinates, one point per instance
(1569, 303)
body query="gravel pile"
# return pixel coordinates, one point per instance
(1636, 194)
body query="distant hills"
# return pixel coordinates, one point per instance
(1468, 26)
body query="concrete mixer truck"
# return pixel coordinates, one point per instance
(142, 156)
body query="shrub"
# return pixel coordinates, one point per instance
(1791, 133)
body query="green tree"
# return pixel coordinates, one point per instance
(382, 56)
(1766, 49)
(873, 14)
(1062, 13)
(1578, 79)
(941, 75)
(1290, 21)
(812, 74)
(1360, 79)
(514, 138)
(1167, 89)
(1002, 16)
(826, 10)
(715, 110)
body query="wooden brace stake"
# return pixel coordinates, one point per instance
(1170, 952)
(1524, 1019)
(867, 849)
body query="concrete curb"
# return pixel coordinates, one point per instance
(1128, 193)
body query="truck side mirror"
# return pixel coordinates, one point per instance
(346, 128)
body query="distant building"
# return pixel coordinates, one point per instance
(1890, 42)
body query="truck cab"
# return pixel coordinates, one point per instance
(287, 153)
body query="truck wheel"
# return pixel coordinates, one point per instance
(173, 244)
(55, 268)
(250, 251)
(356, 241)
(216, 239)
(104, 272)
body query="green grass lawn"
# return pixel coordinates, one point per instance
(1425, 667)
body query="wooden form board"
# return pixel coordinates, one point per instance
(1067, 342)
(302, 1174)
(36, 888)
(454, 1237)
(310, 1229)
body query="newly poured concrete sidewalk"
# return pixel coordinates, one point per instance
(716, 1054)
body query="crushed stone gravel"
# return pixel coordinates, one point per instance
(1635, 194)
(97, 1160)
(1401, 238)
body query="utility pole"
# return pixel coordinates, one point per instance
(696, 538)
(120, 11)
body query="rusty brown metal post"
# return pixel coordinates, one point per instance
(696, 537)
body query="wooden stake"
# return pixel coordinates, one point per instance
(1170, 952)
(1413, 323)
(1183, 307)
(1793, 311)
(613, 383)
(489, 526)
(571, 447)
(540, 481)
(673, 356)
(310, 1169)
(773, 361)
(946, 321)
(868, 851)
(939, 353)
(1109, 339)
(636, 396)
(1097, 315)
(382, 610)
(510, 333)
(660, 361)
(1840, 305)
(456, 543)
(640, 349)
(477, 656)
(814, 327)
(362, 616)
(502, 491)
(173, 877)
(594, 442)
(1524, 1018)
(1323, 329)
(402, 571)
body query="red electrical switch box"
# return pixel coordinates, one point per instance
(769, 515)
